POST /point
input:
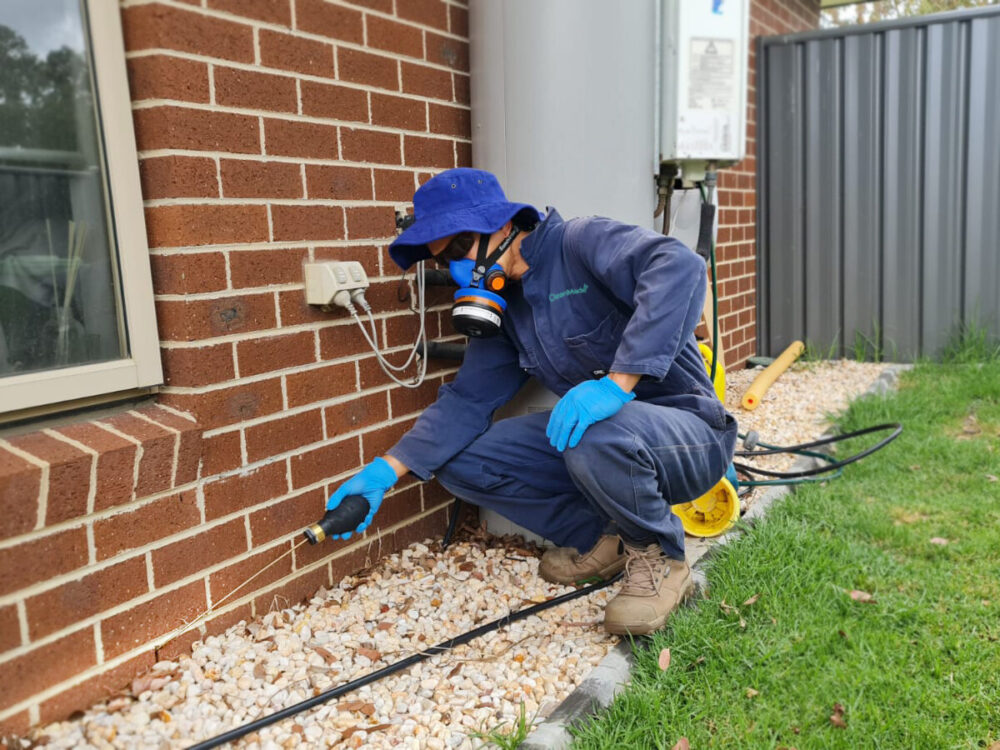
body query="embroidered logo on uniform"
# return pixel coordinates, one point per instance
(559, 295)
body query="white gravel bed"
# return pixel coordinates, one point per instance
(412, 600)
(409, 601)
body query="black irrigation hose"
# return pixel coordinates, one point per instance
(253, 726)
(833, 465)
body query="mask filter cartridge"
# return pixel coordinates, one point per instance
(478, 308)
(477, 313)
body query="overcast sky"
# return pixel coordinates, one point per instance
(45, 24)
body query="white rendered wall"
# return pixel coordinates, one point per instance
(563, 103)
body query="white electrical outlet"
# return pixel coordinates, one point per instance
(331, 282)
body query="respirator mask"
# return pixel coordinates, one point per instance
(478, 308)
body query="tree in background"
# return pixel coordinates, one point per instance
(885, 10)
(43, 102)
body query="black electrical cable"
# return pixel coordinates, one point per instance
(833, 465)
(456, 509)
(715, 286)
(253, 726)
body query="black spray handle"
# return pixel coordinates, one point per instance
(347, 516)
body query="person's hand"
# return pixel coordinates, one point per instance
(584, 404)
(371, 483)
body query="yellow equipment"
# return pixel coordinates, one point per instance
(716, 510)
(712, 513)
(720, 371)
(757, 389)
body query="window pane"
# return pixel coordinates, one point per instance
(58, 274)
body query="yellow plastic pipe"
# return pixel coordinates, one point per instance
(757, 389)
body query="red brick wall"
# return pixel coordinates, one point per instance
(269, 133)
(737, 242)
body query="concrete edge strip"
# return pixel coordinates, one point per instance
(611, 675)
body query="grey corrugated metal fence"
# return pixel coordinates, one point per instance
(879, 184)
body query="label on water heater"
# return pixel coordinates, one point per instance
(705, 125)
(711, 80)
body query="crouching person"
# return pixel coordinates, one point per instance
(603, 314)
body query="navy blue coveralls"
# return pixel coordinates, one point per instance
(599, 297)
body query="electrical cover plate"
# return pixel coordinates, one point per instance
(325, 279)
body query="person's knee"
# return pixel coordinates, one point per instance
(602, 444)
(459, 472)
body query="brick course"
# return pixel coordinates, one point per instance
(178, 177)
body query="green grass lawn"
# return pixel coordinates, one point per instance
(916, 667)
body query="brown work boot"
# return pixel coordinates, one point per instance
(566, 565)
(653, 587)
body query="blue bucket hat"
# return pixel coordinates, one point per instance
(457, 200)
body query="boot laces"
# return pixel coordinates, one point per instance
(643, 569)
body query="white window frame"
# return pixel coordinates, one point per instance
(141, 369)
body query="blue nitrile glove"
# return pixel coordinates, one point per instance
(584, 404)
(371, 483)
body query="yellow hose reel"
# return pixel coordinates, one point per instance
(712, 513)
(719, 508)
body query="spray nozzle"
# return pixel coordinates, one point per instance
(346, 517)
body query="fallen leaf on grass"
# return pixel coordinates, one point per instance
(664, 660)
(752, 600)
(837, 718)
(941, 541)
(751, 693)
(993, 478)
(862, 596)
(727, 608)
(683, 744)
(843, 635)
